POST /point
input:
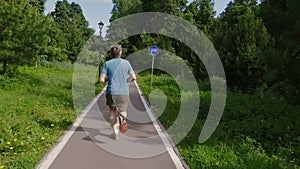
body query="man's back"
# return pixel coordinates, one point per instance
(117, 71)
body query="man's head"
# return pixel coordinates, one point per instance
(116, 51)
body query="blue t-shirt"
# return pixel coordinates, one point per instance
(117, 71)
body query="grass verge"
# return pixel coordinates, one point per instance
(255, 132)
(36, 107)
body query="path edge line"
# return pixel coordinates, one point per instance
(52, 154)
(169, 144)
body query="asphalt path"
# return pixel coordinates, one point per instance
(88, 143)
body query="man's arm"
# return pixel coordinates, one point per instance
(132, 77)
(102, 78)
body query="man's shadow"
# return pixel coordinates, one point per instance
(92, 134)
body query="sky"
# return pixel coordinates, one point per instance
(100, 10)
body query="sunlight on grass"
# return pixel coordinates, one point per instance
(254, 133)
(245, 137)
(36, 107)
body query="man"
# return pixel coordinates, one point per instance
(119, 72)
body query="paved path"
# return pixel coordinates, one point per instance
(88, 144)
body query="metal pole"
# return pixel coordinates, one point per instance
(99, 59)
(152, 71)
(100, 24)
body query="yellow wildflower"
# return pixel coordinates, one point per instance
(11, 148)
(8, 143)
(43, 138)
(1, 167)
(15, 140)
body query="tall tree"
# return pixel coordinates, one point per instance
(23, 33)
(74, 27)
(203, 14)
(123, 8)
(282, 20)
(39, 4)
(174, 7)
(56, 49)
(120, 9)
(242, 41)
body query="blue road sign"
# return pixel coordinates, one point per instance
(153, 50)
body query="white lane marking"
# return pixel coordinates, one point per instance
(53, 153)
(163, 135)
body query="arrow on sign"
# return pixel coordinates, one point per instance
(153, 50)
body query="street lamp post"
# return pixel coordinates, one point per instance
(100, 24)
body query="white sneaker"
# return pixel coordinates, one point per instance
(117, 137)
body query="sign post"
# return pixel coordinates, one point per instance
(154, 52)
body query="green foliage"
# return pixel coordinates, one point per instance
(23, 33)
(243, 47)
(39, 4)
(203, 14)
(282, 21)
(258, 45)
(123, 8)
(254, 132)
(56, 49)
(73, 31)
(170, 89)
(28, 37)
(271, 123)
(36, 107)
(90, 52)
(247, 155)
(174, 7)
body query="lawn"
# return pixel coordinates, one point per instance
(255, 132)
(36, 107)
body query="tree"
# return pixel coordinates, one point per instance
(23, 33)
(282, 20)
(72, 26)
(56, 49)
(203, 14)
(120, 9)
(123, 8)
(39, 4)
(242, 42)
(174, 7)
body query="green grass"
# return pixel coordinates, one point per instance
(36, 107)
(255, 132)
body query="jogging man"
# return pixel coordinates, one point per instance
(118, 73)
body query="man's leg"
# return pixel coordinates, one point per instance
(124, 114)
(112, 116)
(113, 121)
(121, 103)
